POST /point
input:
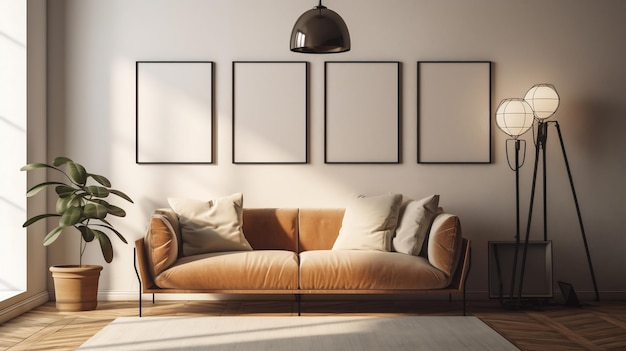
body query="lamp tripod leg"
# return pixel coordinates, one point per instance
(517, 218)
(580, 220)
(530, 215)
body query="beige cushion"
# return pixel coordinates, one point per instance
(416, 218)
(368, 223)
(211, 226)
(367, 269)
(235, 270)
(161, 244)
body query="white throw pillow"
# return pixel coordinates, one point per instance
(368, 223)
(210, 226)
(416, 218)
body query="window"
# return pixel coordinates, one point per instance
(13, 146)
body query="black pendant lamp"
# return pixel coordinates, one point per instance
(320, 31)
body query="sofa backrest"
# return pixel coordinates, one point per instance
(319, 228)
(271, 228)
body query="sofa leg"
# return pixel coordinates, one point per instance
(464, 304)
(138, 277)
(299, 301)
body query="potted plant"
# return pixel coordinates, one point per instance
(81, 204)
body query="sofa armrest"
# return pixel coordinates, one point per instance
(445, 243)
(141, 266)
(463, 267)
(161, 243)
(174, 221)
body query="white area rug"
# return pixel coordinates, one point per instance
(298, 333)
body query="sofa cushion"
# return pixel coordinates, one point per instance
(161, 244)
(368, 223)
(416, 218)
(367, 269)
(211, 226)
(445, 243)
(234, 270)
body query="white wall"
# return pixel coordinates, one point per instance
(576, 45)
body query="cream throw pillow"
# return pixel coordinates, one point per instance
(368, 223)
(416, 218)
(210, 226)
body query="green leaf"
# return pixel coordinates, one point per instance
(100, 179)
(122, 195)
(63, 203)
(70, 217)
(64, 190)
(38, 217)
(97, 191)
(87, 233)
(94, 210)
(31, 166)
(77, 172)
(119, 235)
(105, 245)
(116, 211)
(39, 187)
(61, 160)
(52, 236)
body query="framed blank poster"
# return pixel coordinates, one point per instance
(174, 112)
(270, 112)
(362, 112)
(454, 112)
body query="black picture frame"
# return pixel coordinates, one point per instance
(454, 112)
(363, 96)
(270, 104)
(174, 112)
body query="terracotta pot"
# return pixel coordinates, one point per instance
(76, 287)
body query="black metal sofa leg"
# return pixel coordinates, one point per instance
(299, 301)
(138, 277)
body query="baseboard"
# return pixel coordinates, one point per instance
(20, 306)
(583, 295)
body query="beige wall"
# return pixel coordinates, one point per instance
(575, 44)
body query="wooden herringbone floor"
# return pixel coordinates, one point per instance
(595, 326)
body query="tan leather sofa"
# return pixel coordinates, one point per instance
(292, 254)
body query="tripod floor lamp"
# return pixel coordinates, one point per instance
(515, 117)
(544, 100)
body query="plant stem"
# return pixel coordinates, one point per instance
(82, 246)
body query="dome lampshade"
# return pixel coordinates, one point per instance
(320, 31)
(514, 117)
(543, 99)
